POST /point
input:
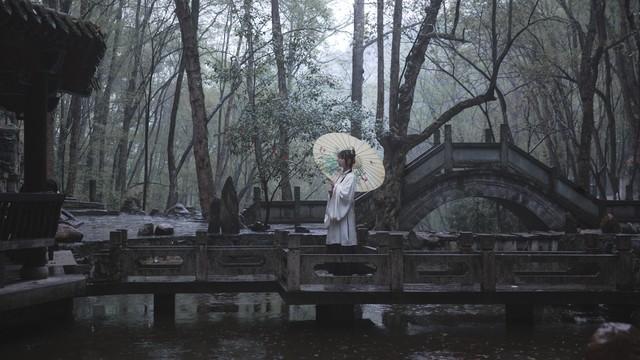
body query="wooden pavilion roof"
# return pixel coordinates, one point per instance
(36, 39)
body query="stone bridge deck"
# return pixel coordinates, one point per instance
(519, 270)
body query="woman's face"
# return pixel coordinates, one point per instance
(342, 163)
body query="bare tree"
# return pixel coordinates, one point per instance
(397, 142)
(278, 50)
(204, 173)
(357, 69)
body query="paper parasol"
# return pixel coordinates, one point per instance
(368, 168)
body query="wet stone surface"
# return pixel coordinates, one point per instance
(97, 228)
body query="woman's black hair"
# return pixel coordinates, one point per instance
(349, 155)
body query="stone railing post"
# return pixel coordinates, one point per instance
(396, 261)
(465, 241)
(293, 264)
(202, 257)
(117, 244)
(591, 243)
(504, 145)
(487, 245)
(624, 267)
(281, 238)
(448, 149)
(296, 206)
(382, 238)
(362, 236)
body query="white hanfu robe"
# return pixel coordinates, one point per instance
(340, 216)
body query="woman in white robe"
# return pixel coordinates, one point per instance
(340, 216)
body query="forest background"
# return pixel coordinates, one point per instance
(193, 92)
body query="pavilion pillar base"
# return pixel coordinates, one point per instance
(34, 272)
(520, 314)
(338, 314)
(164, 307)
(33, 262)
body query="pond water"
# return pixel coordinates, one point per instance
(259, 326)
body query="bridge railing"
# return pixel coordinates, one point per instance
(467, 269)
(201, 261)
(300, 264)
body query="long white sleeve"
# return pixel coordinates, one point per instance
(343, 192)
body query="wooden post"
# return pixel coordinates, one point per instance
(487, 244)
(448, 149)
(624, 267)
(436, 137)
(504, 145)
(296, 206)
(202, 258)
(465, 241)
(396, 260)
(293, 264)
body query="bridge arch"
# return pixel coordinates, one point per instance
(515, 192)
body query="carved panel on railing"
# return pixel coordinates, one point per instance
(158, 261)
(463, 269)
(232, 261)
(314, 269)
(550, 270)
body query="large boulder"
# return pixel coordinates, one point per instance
(164, 229)
(131, 205)
(229, 209)
(614, 341)
(68, 234)
(146, 230)
(178, 210)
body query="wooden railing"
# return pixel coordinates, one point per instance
(27, 221)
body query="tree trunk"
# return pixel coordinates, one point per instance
(172, 197)
(204, 172)
(102, 103)
(75, 116)
(394, 66)
(283, 94)
(586, 81)
(357, 69)
(380, 80)
(130, 107)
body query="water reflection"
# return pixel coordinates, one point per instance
(260, 326)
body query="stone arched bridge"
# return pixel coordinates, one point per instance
(502, 172)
